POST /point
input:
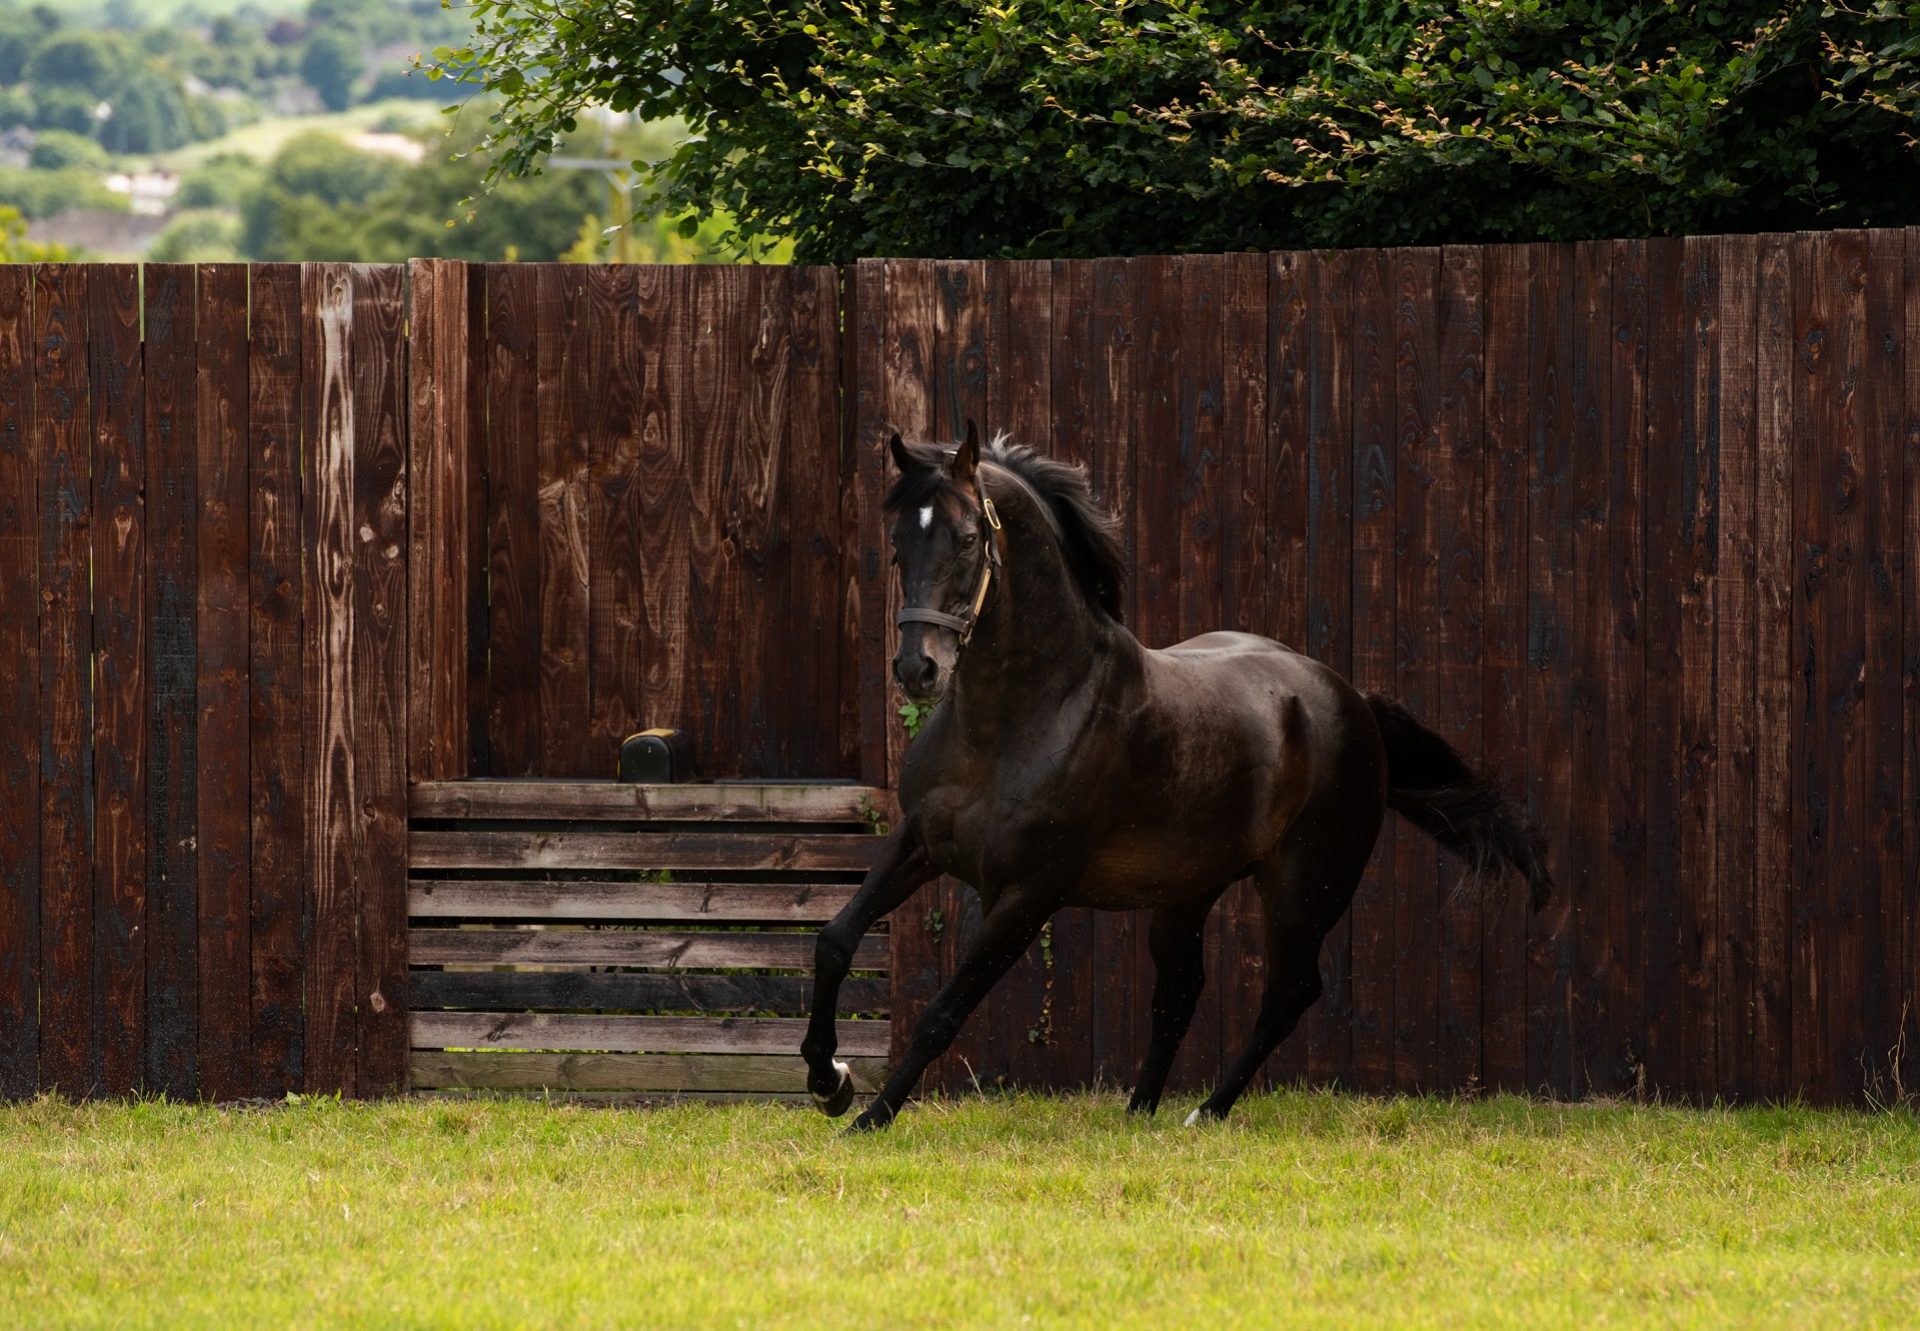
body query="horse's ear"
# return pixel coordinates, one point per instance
(899, 451)
(966, 458)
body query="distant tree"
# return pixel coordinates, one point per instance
(332, 63)
(198, 236)
(20, 37)
(299, 211)
(221, 181)
(150, 115)
(93, 62)
(60, 107)
(57, 148)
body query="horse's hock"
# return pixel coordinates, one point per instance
(328, 593)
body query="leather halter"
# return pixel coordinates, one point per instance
(963, 624)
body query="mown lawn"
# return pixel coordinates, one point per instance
(1307, 1208)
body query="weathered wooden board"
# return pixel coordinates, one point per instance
(641, 991)
(732, 1074)
(652, 949)
(803, 903)
(561, 801)
(635, 1035)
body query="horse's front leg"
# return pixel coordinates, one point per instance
(900, 871)
(1006, 933)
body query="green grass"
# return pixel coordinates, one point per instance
(1305, 1209)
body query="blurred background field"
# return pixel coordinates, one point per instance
(224, 130)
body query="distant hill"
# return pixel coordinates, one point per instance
(89, 13)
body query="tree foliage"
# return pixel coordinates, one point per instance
(1063, 127)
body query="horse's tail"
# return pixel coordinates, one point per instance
(1431, 786)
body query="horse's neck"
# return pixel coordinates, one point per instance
(1039, 639)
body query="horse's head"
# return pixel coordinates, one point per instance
(944, 550)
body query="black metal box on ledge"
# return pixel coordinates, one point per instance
(656, 757)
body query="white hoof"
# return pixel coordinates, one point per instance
(1193, 1119)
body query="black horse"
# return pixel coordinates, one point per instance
(1067, 765)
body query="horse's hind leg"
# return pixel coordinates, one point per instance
(1304, 889)
(1177, 939)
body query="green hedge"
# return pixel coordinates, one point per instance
(1064, 127)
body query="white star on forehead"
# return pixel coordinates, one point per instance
(926, 517)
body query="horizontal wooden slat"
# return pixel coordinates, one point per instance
(604, 990)
(629, 1072)
(635, 1035)
(619, 1099)
(797, 903)
(641, 850)
(655, 950)
(574, 800)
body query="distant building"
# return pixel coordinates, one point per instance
(148, 192)
(16, 146)
(101, 235)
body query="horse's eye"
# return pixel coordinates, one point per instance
(970, 540)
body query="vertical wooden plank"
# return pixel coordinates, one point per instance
(1196, 485)
(19, 694)
(961, 349)
(812, 474)
(1579, 910)
(1774, 481)
(1551, 594)
(278, 755)
(1373, 647)
(1826, 404)
(1418, 641)
(622, 356)
(1910, 669)
(1886, 969)
(114, 372)
(906, 312)
(1503, 716)
(760, 507)
(1020, 387)
(1693, 755)
(222, 801)
(61, 448)
(711, 410)
(1455, 530)
(1734, 672)
(438, 464)
(476, 363)
(564, 377)
(863, 367)
(378, 674)
(333, 795)
(1668, 406)
(513, 520)
(1065, 1031)
(1022, 382)
(1617, 1044)
(1111, 452)
(1323, 348)
(1238, 974)
(172, 952)
(664, 329)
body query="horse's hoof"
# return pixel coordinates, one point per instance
(874, 1119)
(838, 1103)
(1202, 1114)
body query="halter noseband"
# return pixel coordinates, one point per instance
(962, 624)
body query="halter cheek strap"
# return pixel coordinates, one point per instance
(963, 624)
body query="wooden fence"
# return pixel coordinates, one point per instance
(1632, 521)
(202, 588)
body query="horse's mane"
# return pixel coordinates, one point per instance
(1089, 535)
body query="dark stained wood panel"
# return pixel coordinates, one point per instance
(62, 452)
(119, 554)
(19, 694)
(172, 915)
(223, 809)
(276, 688)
